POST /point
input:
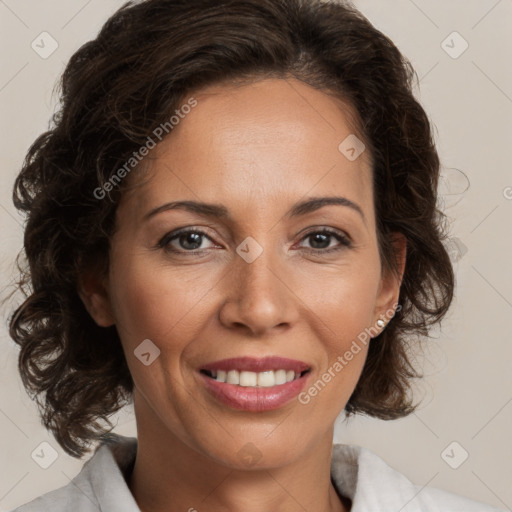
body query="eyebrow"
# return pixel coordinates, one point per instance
(220, 211)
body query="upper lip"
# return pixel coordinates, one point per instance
(252, 364)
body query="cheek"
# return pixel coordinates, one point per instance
(344, 297)
(341, 311)
(344, 346)
(160, 304)
(154, 301)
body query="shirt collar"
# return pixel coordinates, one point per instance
(356, 472)
(370, 483)
(107, 471)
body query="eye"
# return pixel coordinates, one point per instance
(190, 241)
(187, 241)
(320, 240)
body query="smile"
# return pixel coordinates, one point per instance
(255, 384)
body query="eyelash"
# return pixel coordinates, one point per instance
(165, 241)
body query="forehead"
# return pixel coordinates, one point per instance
(262, 144)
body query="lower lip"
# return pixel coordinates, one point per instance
(255, 399)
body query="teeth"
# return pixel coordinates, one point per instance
(253, 379)
(248, 379)
(266, 379)
(280, 376)
(233, 377)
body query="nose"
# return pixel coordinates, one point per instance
(259, 296)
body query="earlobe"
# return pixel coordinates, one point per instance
(94, 295)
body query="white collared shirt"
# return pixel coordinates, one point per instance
(356, 472)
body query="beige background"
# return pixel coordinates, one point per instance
(467, 392)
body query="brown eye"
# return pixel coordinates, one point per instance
(186, 241)
(321, 240)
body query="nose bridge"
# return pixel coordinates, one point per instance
(258, 296)
(256, 269)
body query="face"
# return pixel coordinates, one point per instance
(261, 278)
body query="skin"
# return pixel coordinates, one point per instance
(257, 149)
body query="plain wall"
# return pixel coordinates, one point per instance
(467, 391)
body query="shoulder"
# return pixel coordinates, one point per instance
(440, 500)
(100, 485)
(60, 500)
(372, 485)
(77, 495)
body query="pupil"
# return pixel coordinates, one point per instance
(323, 238)
(191, 236)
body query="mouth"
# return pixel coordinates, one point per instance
(255, 384)
(253, 372)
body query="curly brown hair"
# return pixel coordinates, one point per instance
(116, 89)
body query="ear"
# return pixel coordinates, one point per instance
(93, 290)
(389, 288)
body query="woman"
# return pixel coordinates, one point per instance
(233, 222)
